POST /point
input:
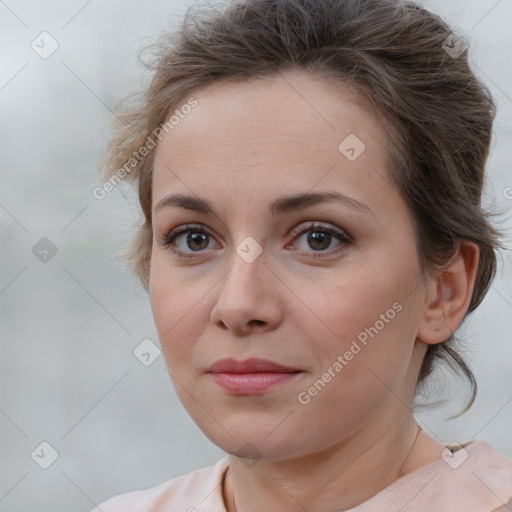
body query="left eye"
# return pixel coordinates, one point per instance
(320, 237)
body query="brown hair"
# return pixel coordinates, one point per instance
(393, 54)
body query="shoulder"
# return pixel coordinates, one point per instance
(193, 492)
(477, 477)
(492, 471)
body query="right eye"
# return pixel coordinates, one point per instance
(197, 240)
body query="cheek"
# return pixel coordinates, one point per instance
(178, 311)
(367, 315)
(350, 304)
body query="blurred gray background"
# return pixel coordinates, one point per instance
(69, 325)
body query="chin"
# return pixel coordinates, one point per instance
(259, 440)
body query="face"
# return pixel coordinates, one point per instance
(327, 287)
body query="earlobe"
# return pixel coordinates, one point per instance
(445, 309)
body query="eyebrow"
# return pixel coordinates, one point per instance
(280, 206)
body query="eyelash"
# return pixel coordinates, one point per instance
(343, 237)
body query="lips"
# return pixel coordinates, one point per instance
(252, 376)
(252, 365)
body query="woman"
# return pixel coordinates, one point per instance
(327, 158)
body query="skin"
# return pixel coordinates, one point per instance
(244, 145)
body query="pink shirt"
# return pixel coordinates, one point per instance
(476, 479)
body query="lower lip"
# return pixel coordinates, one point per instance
(251, 383)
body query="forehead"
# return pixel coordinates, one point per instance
(291, 104)
(288, 130)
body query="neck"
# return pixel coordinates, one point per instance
(338, 478)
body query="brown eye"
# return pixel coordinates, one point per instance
(320, 237)
(319, 240)
(197, 240)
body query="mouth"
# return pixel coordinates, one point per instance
(251, 376)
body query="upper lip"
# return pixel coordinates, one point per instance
(252, 365)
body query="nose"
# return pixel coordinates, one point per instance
(248, 299)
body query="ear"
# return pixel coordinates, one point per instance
(448, 299)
